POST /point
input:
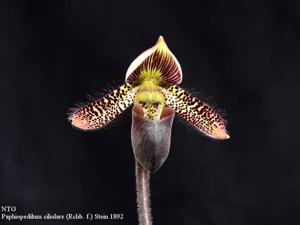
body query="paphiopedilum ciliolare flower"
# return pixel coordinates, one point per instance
(151, 85)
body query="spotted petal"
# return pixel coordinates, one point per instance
(101, 112)
(157, 63)
(200, 115)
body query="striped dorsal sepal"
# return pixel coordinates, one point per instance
(157, 63)
(101, 112)
(197, 113)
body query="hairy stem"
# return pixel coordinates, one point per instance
(143, 194)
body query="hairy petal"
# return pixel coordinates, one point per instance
(200, 115)
(101, 112)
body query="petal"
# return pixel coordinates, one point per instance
(101, 112)
(200, 115)
(158, 63)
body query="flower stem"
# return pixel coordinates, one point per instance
(143, 194)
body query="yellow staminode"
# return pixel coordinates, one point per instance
(150, 98)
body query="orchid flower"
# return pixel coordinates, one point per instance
(151, 83)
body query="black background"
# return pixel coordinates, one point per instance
(242, 56)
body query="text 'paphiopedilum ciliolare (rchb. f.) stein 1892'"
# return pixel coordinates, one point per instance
(151, 83)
